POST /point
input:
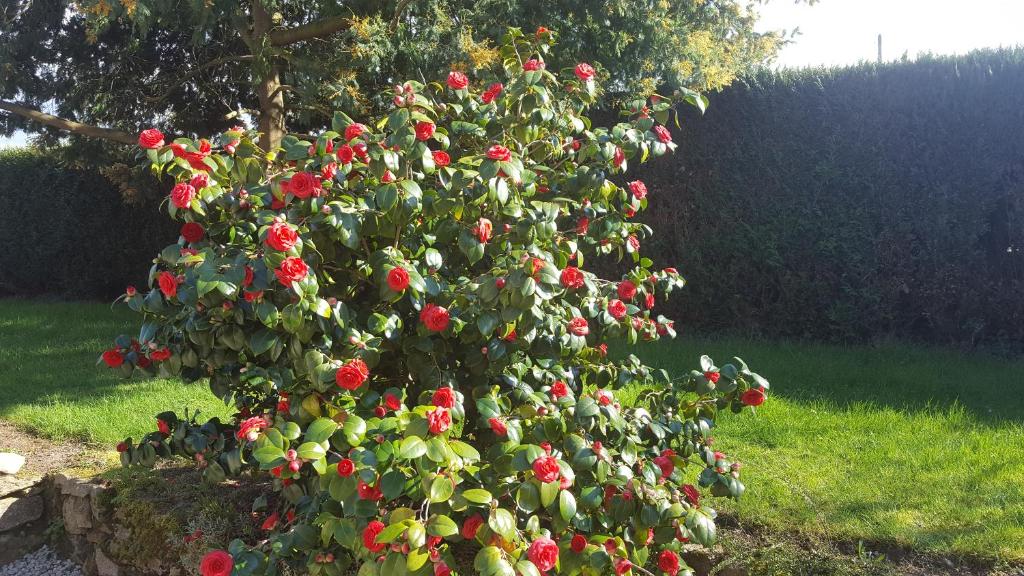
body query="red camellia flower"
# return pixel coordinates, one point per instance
(617, 309)
(492, 92)
(443, 398)
(200, 181)
(435, 318)
(151, 138)
(303, 185)
(559, 390)
(182, 195)
(113, 358)
(441, 158)
(584, 71)
(249, 275)
(471, 526)
(692, 494)
(619, 157)
(163, 427)
(192, 232)
(352, 374)
(442, 569)
(457, 80)
(546, 468)
(578, 326)
(543, 552)
(578, 544)
(160, 354)
(398, 279)
(483, 230)
(439, 420)
(281, 236)
(622, 566)
(424, 130)
(368, 492)
(666, 465)
(533, 65)
(649, 301)
(370, 536)
(345, 154)
(668, 562)
(639, 189)
(346, 468)
(663, 134)
(626, 290)
(753, 397)
(712, 376)
(293, 269)
(168, 284)
(354, 130)
(249, 429)
(499, 152)
(582, 225)
(271, 522)
(217, 563)
(604, 397)
(571, 277)
(392, 402)
(498, 427)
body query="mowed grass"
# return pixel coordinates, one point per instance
(921, 448)
(50, 383)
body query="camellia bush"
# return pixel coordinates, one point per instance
(402, 316)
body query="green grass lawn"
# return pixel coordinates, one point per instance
(50, 384)
(897, 445)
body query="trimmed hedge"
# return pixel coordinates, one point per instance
(67, 232)
(854, 204)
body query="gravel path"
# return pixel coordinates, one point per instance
(42, 562)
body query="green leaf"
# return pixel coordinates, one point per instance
(441, 525)
(528, 497)
(354, 430)
(503, 523)
(566, 505)
(548, 493)
(311, 451)
(321, 429)
(478, 496)
(412, 447)
(441, 489)
(486, 560)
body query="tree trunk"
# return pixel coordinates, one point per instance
(268, 88)
(271, 121)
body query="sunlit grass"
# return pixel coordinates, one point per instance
(916, 447)
(51, 385)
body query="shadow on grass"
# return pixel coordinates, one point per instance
(904, 377)
(48, 351)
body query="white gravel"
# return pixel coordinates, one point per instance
(42, 562)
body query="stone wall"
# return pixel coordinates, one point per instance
(74, 516)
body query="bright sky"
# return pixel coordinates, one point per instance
(846, 31)
(838, 32)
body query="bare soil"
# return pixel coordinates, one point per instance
(43, 456)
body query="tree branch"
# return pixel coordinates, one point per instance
(318, 29)
(68, 125)
(206, 66)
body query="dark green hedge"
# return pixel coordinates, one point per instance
(853, 204)
(69, 233)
